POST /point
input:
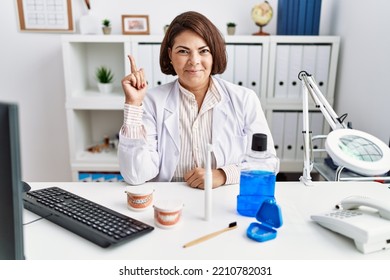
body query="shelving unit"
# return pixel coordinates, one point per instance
(267, 64)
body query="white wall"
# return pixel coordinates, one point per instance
(363, 89)
(31, 67)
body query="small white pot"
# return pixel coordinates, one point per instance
(231, 30)
(105, 88)
(106, 30)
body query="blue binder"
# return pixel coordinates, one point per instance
(309, 17)
(317, 17)
(282, 17)
(301, 17)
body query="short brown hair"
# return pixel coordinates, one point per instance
(202, 26)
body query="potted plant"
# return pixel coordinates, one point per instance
(105, 77)
(166, 28)
(231, 28)
(106, 26)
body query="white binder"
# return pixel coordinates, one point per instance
(317, 127)
(144, 60)
(241, 62)
(254, 70)
(309, 60)
(294, 67)
(290, 135)
(277, 130)
(322, 68)
(299, 148)
(281, 72)
(158, 77)
(228, 74)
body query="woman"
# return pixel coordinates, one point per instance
(166, 129)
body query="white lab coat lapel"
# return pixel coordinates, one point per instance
(171, 116)
(220, 114)
(170, 136)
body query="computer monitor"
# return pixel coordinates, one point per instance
(11, 207)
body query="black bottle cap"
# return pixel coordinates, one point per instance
(259, 142)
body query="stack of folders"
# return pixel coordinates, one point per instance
(298, 17)
(85, 176)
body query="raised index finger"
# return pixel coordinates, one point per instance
(133, 67)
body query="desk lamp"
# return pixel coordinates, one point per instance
(349, 148)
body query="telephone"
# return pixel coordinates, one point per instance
(365, 220)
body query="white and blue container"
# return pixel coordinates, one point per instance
(258, 176)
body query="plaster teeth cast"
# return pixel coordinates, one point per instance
(167, 213)
(139, 198)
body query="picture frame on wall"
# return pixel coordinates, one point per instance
(45, 15)
(135, 24)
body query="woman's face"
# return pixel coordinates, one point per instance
(192, 60)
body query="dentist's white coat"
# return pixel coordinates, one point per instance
(235, 118)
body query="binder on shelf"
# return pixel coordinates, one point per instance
(299, 149)
(294, 67)
(301, 17)
(322, 68)
(309, 17)
(85, 177)
(241, 61)
(277, 130)
(290, 135)
(298, 17)
(98, 177)
(282, 17)
(158, 77)
(110, 177)
(281, 70)
(317, 17)
(309, 59)
(229, 74)
(144, 60)
(255, 63)
(290, 17)
(295, 7)
(317, 127)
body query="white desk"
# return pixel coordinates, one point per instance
(299, 238)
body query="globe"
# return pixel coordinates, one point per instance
(262, 15)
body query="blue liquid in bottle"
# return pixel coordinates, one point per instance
(257, 182)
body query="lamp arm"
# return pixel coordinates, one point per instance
(307, 155)
(309, 86)
(330, 115)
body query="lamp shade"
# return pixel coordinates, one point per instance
(358, 151)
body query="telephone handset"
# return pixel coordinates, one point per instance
(365, 220)
(353, 202)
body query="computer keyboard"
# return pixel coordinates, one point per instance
(90, 220)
